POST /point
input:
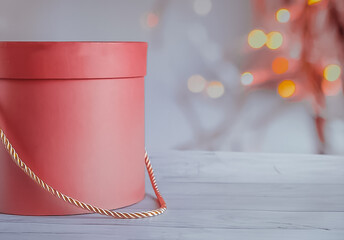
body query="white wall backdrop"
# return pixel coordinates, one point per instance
(182, 43)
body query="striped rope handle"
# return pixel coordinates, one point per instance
(118, 215)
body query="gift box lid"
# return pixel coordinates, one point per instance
(72, 60)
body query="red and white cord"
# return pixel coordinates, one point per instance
(119, 215)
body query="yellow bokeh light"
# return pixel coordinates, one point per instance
(274, 40)
(280, 65)
(332, 72)
(311, 2)
(286, 88)
(282, 15)
(246, 78)
(196, 83)
(215, 89)
(256, 38)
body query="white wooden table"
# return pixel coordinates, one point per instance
(217, 195)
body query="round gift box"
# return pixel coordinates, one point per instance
(74, 112)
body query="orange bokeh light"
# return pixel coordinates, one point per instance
(280, 65)
(152, 20)
(331, 88)
(286, 88)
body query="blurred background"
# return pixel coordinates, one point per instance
(248, 75)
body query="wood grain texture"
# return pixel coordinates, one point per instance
(218, 195)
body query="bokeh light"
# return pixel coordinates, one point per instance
(274, 40)
(282, 15)
(196, 83)
(152, 20)
(286, 88)
(246, 78)
(256, 38)
(280, 65)
(311, 2)
(202, 7)
(215, 89)
(331, 88)
(332, 72)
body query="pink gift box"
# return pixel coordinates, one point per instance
(74, 111)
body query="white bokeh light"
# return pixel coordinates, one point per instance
(246, 78)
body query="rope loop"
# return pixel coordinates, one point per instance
(118, 215)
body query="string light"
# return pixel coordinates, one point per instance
(215, 89)
(196, 83)
(282, 15)
(246, 78)
(202, 7)
(256, 38)
(311, 2)
(332, 72)
(286, 88)
(280, 65)
(274, 40)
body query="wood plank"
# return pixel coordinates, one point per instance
(246, 167)
(231, 219)
(217, 195)
(94, 231)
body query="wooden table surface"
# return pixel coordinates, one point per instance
(217, 195)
